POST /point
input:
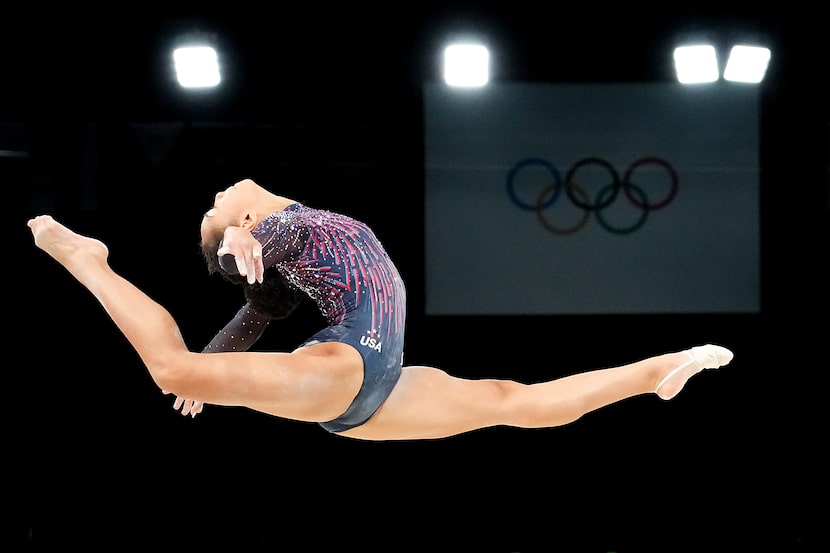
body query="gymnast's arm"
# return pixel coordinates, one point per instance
(281, 241)
(240, 334)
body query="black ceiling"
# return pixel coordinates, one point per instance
(278, 59)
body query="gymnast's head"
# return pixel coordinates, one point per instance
(237, 206)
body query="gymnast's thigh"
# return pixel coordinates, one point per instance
(429, 403)
(313, 383)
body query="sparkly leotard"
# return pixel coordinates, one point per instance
(342, 266)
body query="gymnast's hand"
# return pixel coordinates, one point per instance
(246, 251)
(188, 406)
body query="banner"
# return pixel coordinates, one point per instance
(591, 199)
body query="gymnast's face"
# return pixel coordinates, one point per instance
(230, 207)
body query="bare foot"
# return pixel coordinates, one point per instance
(697, 358)
(67, 247)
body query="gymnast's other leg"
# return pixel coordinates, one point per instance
(316, 383)
(429, 403)
(147, 325)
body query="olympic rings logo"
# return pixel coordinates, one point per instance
(553, 185)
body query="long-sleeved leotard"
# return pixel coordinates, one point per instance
(342, 266)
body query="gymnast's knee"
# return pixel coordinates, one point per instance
(173, 373)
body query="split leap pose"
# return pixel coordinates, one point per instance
(349, 377)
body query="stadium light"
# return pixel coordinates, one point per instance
(747, 63)
(697, 60)
(696, 63)
(466, 65)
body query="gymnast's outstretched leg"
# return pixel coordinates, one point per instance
(429, 403)
(146, 324)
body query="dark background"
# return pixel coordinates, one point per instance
(323, 104)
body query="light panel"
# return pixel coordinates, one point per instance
(196, 66)
(466, 65)
(697, 63)
(747, 64)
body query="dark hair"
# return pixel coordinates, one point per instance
(275, 296)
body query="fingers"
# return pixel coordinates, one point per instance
(256, 264)
(242, 267)
(250, 265)
(192, 408)
(248, 259)
(259, 266)
(246, 252)
(187, 406)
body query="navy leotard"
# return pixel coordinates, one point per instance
(342, 266)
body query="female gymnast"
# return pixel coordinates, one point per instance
(349, 377)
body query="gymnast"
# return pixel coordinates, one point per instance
(349, 377)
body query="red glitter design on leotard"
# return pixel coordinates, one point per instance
(338, 261)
